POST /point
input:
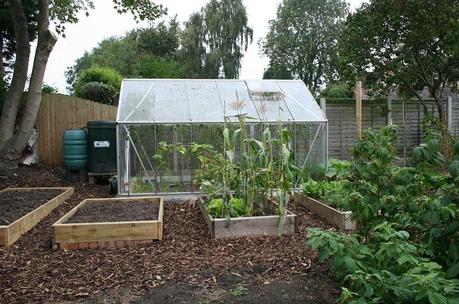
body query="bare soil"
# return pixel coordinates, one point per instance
(15, 204)
(186, 267)
(115, 211)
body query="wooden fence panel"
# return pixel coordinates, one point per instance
(407, 115)
(60, 112)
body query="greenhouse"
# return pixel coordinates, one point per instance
(159, 121)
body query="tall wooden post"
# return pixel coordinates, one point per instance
(389, 108)
(323, 105)
(449, 112)
(358, 108)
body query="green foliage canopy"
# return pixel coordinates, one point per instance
(214, 40)
(403, 44)
(302, 41)
(98, 84)
(147, 52)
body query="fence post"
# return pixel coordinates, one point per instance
(358, 108)
(323, 105)
(389, 109)
(450, 113)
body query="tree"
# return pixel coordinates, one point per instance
(133, 54)
(302, 40)
(7, 42)
(214, 40)
(14, 132)
(406, 45)
(337, 90)
(99, 84)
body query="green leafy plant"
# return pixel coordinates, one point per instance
(236, 208)
(140, 186)
(383, 267)
(405, 249)
(240, 290)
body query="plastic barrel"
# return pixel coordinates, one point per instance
(75, 149)
(102, 146)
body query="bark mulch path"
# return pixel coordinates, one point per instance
(14, 204)
(111, 211)
(186, 267)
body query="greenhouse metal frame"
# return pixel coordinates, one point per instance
(156, 111)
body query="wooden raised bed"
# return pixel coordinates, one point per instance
(12, 232)
(341, 219)
(108, 234)
(248, 226)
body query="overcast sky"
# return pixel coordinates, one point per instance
(104, 22)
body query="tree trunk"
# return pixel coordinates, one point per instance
(2, 67)
(14, 95)
(45, 45)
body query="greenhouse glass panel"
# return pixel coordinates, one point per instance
(162, 122)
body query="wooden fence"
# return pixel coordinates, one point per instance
(407, 115)
(60, 112)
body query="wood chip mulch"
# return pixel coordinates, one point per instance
(31, 272)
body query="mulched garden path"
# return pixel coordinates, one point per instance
(14, 204)
(115, 211)
(186, 267)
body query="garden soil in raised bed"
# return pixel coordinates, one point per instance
(15, 204)
(115, 211)
(185, 267)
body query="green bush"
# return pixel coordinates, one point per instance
(98, 92)
(406, 247)
(384, 267)
(103, 75)
(49, 89)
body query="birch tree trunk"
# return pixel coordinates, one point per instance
(46, 40)
(14, 95)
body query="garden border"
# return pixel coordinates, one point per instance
(12, 232)
(341, 219)
(249, 226)
(108, 234)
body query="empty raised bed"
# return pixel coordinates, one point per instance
(110, 222)
(22, 208)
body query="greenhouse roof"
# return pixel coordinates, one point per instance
(163, 101)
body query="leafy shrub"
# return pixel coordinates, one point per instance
(98, 92)
(406, 249)
(384, 267)
(337, 90)
(338, 169)
(454, 168)
(103, 75)
(49, 89)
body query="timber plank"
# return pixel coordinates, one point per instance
(249, 226)
(12, 232)
(103, 232)
(341, 219)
